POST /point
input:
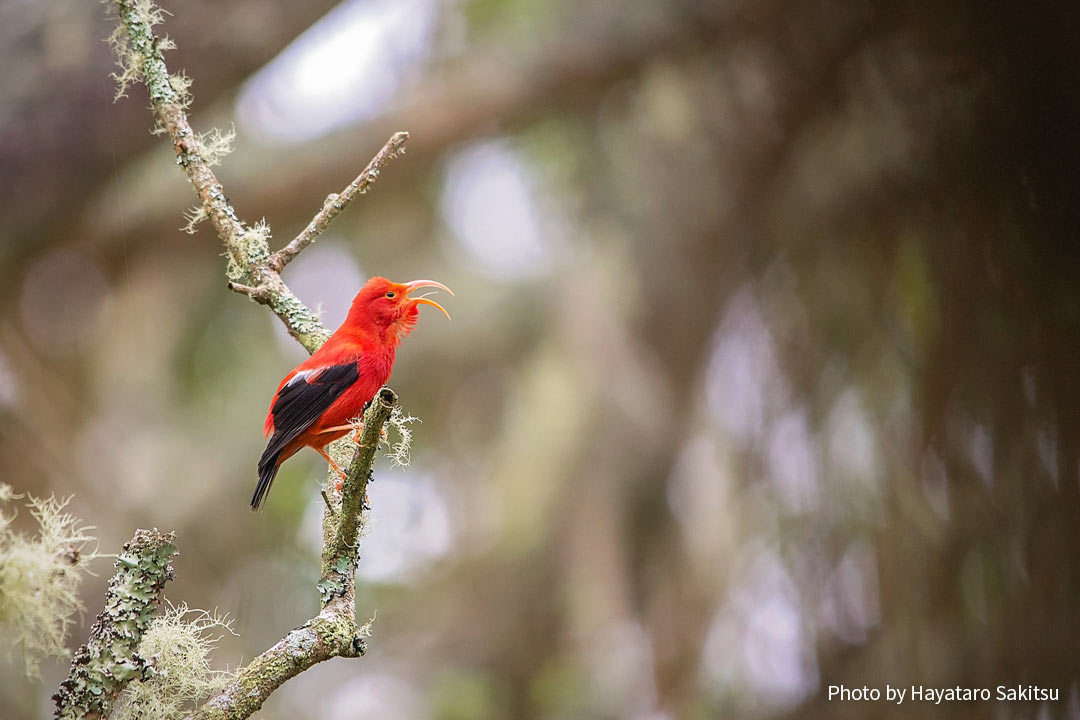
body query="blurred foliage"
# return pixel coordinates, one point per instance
(762, 375)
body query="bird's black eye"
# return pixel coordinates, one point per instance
(390, 293)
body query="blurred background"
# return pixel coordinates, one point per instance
(762, 375)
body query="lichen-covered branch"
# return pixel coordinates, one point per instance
(335, 203)
(109, 659)
(341, 528)
(253, 270)
(334, 632)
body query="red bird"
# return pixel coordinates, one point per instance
(315, 402)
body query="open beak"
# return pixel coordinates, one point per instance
(417, 284)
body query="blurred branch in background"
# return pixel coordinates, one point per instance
(460, 103)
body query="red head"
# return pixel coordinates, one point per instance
(385, 308)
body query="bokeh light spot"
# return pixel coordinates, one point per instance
(344, 69)
(489, 204)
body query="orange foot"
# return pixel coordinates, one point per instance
(337, 468)
(360, 431)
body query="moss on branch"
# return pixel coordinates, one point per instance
(341, 528)
(254, 271)
(140, 55)
(110, 659)
(332, 633)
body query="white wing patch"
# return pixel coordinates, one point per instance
(302, 375)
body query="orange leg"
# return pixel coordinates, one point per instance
(336, 428)
(359, 428)
(337, 468)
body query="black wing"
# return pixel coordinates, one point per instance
(299, 403)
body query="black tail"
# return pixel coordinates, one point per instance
(268, 467)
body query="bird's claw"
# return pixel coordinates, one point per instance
(360, 431)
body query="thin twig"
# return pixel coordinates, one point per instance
(336, 203)
(259, 294)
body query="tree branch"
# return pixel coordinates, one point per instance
(258, 294)
(335, 203)
(255, 272)
(250, 260)
(109, 659)
(342, 527)
(334, 632)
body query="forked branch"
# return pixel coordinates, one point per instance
(105, 664)
(335, 203)
(254, 270)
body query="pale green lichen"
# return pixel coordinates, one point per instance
(109, 660)
(399, 454)
(339, 632)
(177, 647)
(39, 577)
(251, 250)
(335, 581)
(214, 146)
(256, 243)
(399, 451)
(181, 88)
(192, 217)
(342, 450)
(135, 45)
(303, 324)
(181, 85)
(367, 628)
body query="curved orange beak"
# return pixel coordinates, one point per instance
(417, 284)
